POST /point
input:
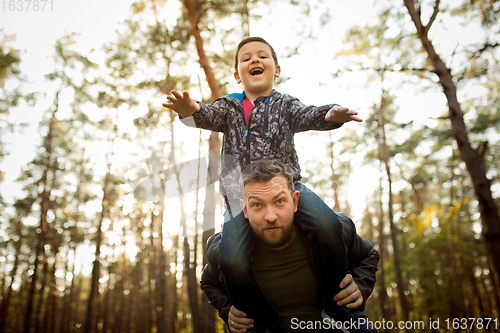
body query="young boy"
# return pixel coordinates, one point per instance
(260, 123)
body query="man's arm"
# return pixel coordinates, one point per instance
(211, 282)
(350, 296)
(362, 256)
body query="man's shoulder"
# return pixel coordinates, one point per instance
(213, 248)
(348, 228)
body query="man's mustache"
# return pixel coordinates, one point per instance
(273, 225)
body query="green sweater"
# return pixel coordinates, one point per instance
(287, 279)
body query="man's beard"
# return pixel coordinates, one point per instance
(285, 238)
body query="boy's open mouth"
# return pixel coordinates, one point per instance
(256, 71)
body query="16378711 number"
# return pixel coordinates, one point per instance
(487, 324)
(27, 5)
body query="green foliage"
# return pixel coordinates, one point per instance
(486, 10)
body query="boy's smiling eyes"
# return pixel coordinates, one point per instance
(247, 57)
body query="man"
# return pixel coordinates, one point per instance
(286, 268)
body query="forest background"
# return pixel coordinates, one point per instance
(107, 200)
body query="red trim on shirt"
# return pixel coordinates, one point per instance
(247, 107)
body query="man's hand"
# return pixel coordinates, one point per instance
(342, 115)
(238, 321)
(183, 104)
(350, 294)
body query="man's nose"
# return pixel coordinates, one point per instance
(270, 216)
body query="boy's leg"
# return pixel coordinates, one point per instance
(322, 225)
(235, 254)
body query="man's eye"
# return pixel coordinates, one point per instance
(280, 201)
(256, 205)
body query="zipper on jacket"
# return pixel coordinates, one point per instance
(247, 152)
(266, 113)
(266, 125)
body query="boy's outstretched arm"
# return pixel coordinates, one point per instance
(342, 115)
(182, 103)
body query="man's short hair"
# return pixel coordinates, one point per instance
(264, 170)
(249, 40)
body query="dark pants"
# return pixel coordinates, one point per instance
(323, 234)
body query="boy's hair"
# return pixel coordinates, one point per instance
(265, 170)
(250, 40)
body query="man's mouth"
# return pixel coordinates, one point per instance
(256, 71)
(272, 228)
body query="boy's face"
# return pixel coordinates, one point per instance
(256, 69)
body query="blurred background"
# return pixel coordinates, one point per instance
(96, 233)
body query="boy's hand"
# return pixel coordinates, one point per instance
(183, 104)
(238, 321)
(341, 115)
(350, 293)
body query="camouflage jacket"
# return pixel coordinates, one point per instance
(269, 135)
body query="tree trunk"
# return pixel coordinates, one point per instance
(472, 158)
(495, 285)
(122, 315)
(172, 319)
(334, 178)
(214, 149)
(139, 314)
(63, 328)
(52, 297)
(245, 24)
(92, 303)
(41, 306)
(107, 304)
(397, 261)
(383, 297)
(194, 17)
(4, 311)
(47, 162)
(161, 285)
(189, 272)
(192, 287)
(69, 292)
(19, 316)
(208, 310)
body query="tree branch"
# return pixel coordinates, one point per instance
(433, 17)
(486, 46)
(415, 16)
(389, 69)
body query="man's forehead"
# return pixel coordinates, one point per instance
(275, 184)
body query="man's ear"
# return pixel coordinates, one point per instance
(237, 77)
(295, 197)
(277, 72)
(244, 208)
